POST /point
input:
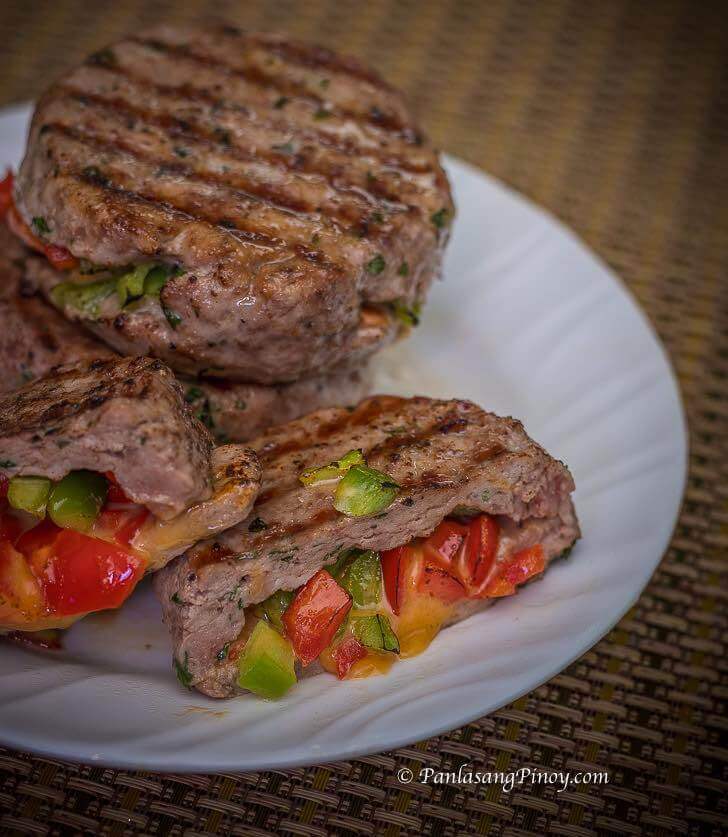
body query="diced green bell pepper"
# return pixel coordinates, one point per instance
(85, 297)
(155, 280)
(375, 632)
(363, 491)
(274, 607)
(333, 470)
(75, 501)
(130, 285)
(29, 494)
(360, 574)
(266, 666)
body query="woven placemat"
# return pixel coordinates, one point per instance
(615, 116)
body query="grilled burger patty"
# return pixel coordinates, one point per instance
(65, 442)
(35, 338)
(289, 186)
(445, 455)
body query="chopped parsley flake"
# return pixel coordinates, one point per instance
(284, 148)
(440, 218)
(281, 102)
(322, 113)
(403, 269)
(173, 318)
(184, 675)
(41, 225)
(7, 463)
(193, 394)
(175, 598)
(257, 525)
(376, 265)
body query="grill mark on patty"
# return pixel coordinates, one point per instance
(342, 145)
(118, 193)
(388, 449)
(316, 57)
(362, 416)
(271, 196)
(426, 480)
(185, 209)
(258, 77)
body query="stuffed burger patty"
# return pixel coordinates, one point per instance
(374, 528)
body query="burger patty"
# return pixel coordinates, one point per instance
(290, 186)
(445, 455)
(35, 338)
(125, 416)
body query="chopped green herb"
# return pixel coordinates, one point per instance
(184, 675)
(7, 463)
(322, 113)
(440, 218)
(223, 652)
(41, 225)
(284, 148)
(175, 598)
(403, 269)
(376, 265)
(180, 152)
(240, 404)
(257, 525)
(281, 102)
(173, 318)
(193, 394)
(325, 82)
(204, 414)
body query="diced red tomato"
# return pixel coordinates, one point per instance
(6, 192)
(10, 527)
(82, 574)
(315, 615)
(522, 566)
(122, 523)
(116, 492)
(19, 587)
(399, 567)
(445, 542)
(477, 560)
(60, 257)
(437, 581)
(40, 537)
(346, 653)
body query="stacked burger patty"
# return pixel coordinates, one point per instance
(260, 214)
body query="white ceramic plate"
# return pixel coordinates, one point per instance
(528, 323)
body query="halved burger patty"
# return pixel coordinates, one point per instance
(105, 474)
(284, 189)
(35, 338)
(440, 458)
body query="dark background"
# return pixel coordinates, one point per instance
(614, 115)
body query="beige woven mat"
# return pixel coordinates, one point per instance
(615, 116)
